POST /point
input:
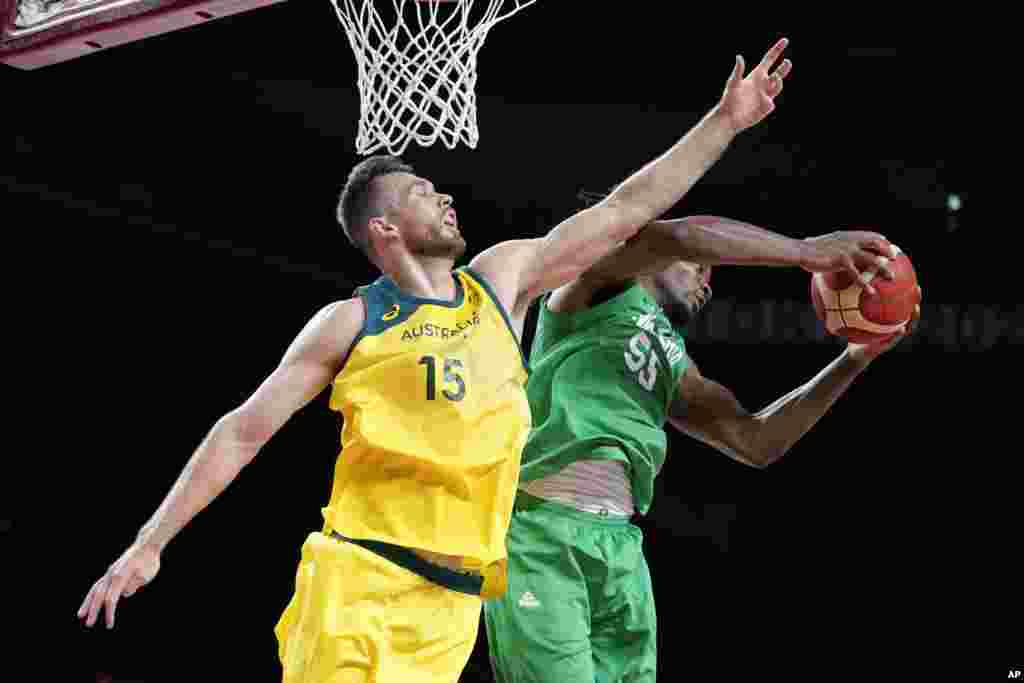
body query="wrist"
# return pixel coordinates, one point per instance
(803, 251)
(720, 119)
(858, 357)
(146, 539)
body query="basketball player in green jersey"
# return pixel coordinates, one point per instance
(608, 370)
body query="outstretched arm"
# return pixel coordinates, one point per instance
(521, 270)
(709, 412)
(305, 370)
(714, 240)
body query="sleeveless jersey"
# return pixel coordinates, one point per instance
(600, 385)
(435, 419)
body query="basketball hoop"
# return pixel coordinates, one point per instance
(416, 65)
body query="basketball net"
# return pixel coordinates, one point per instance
(416, 65)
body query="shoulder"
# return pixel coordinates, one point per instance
(334, 327)
(345, 313)
(502, 259)
(502, 266)
(492, 257)
(583, 293)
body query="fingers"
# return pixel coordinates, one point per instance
(95, 600)
(870, 255)
(881, 264)
(737, 72)
(776, 80)
(772, 55)
(892, 340)
(877, 254)
(864, 278)
(87, 603)
(105, 593)
(134, 583)
(914, 319)
(872, 350)
(908, 329)
(876, 244)
(784, 69)
(113, 595)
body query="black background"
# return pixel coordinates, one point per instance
(170, 206)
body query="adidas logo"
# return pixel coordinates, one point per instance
(529, 600)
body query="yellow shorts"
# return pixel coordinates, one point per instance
(356, 617)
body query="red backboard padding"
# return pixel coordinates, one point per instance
(89, 28)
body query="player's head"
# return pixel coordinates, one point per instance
(385, 207)
(682, 290)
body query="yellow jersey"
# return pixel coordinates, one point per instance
(435, 419)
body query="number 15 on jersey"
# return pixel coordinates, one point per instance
(452, 377)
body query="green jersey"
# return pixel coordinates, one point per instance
(600, 386)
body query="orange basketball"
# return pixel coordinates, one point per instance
(848, 311)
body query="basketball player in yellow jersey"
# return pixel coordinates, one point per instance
(427, 371)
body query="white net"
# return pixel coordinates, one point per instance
(417, 68)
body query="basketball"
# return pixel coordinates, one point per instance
(849, 311)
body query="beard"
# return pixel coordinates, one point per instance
(680, 302)
(680, 313)
(441, 245)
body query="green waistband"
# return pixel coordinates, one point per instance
(526, 502)
(403, 557)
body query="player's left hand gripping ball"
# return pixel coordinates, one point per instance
(868, 352)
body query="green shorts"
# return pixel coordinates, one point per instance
(579, 606)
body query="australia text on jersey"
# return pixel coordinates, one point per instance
(414, 332)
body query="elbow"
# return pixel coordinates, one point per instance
(247, 432)
(761, 458)
(758, 457)
(768, 452)
(758, 449)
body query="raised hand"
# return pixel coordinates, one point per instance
(747, 101)
(133, 570)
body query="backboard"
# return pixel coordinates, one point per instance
(38, 33)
